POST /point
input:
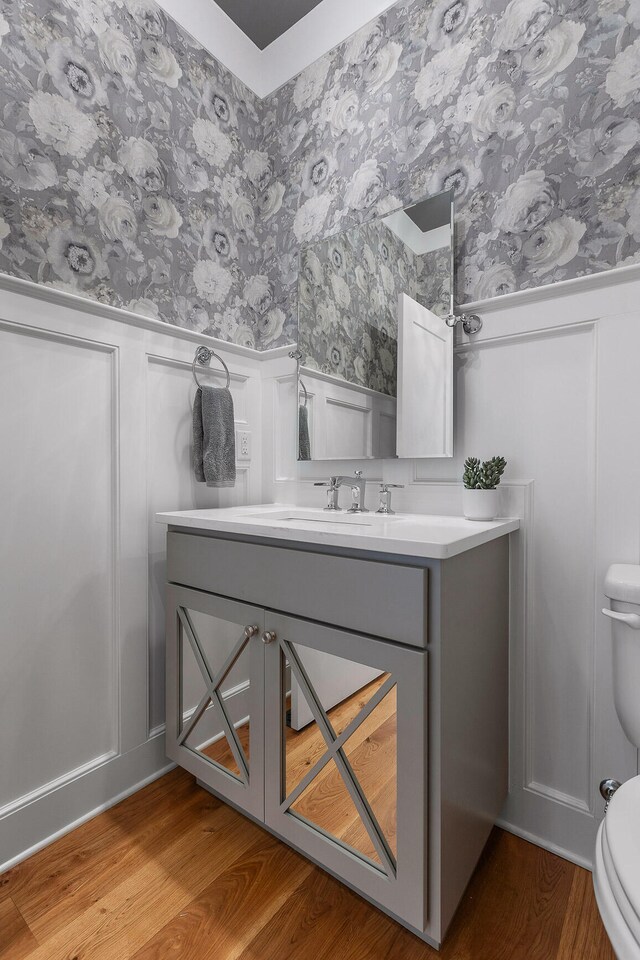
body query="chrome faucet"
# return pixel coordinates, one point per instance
(357, 484)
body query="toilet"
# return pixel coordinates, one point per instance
(616, 873)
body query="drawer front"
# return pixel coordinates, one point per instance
(381, 599)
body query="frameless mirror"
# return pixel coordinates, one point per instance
(375, 371)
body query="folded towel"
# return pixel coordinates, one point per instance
(304, 440)
(214, 437)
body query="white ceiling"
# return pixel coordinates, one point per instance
(320, 30)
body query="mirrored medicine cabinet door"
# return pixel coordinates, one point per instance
(375, 355)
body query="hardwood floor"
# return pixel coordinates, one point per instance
(174, 873)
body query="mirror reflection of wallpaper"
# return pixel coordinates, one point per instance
(348, 292)
(434, 281)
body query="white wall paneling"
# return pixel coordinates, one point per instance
(171, 485)
(59, 490)
(95, 418)
(551, 383)
(95, 426)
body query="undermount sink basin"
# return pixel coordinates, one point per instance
(325, 516)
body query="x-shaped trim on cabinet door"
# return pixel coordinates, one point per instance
(335, 751)
(213, 693)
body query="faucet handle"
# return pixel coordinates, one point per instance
(357, 473)
(332, 492)
(385, 497)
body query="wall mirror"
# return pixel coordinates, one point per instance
(375, 356)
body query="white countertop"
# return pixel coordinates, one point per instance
(409, 535)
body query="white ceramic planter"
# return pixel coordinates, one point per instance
(480, 504)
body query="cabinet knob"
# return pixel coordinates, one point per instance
(268, 636)
(250, 632)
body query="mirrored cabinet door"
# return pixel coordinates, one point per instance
(215, 699)
(345, 736)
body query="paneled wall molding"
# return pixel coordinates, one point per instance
(616, 287)
(94, 308)
(113, 400)
(544, 385)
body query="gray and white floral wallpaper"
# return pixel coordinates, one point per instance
(528, 109)
(129, 164)
(136, 170)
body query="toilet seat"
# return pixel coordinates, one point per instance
(617, 871)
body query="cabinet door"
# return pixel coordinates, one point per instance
(215, 694)
(349, 789)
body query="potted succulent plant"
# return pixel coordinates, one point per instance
(480, 494)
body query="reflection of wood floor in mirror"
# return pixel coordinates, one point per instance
(371, 751)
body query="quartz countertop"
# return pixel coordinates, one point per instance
(404, 534)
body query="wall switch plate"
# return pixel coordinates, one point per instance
(243, 445)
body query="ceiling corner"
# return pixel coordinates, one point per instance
(264, 71)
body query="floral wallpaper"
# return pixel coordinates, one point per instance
(130, 165)
(528, 109)
(348, 290)
(136, 170)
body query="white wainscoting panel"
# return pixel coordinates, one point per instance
(172, 485)
(95, 424)
(58, 489)
(95, 427)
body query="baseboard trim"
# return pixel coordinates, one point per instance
(36, 825)
(545, 844)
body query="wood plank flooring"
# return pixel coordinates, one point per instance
(172, 872)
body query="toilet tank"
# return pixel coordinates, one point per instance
(622, 587)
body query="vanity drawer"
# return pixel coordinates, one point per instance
(383, 599)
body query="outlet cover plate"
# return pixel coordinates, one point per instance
(243, 445)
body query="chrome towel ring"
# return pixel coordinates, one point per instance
(304, 390)
(203, 357)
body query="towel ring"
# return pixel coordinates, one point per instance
(203, 356)
(304, 390)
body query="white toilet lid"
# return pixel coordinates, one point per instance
(621, 848)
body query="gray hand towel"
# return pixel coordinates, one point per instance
(214, 437)
(304, 440)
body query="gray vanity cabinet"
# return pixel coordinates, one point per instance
(395, 788)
